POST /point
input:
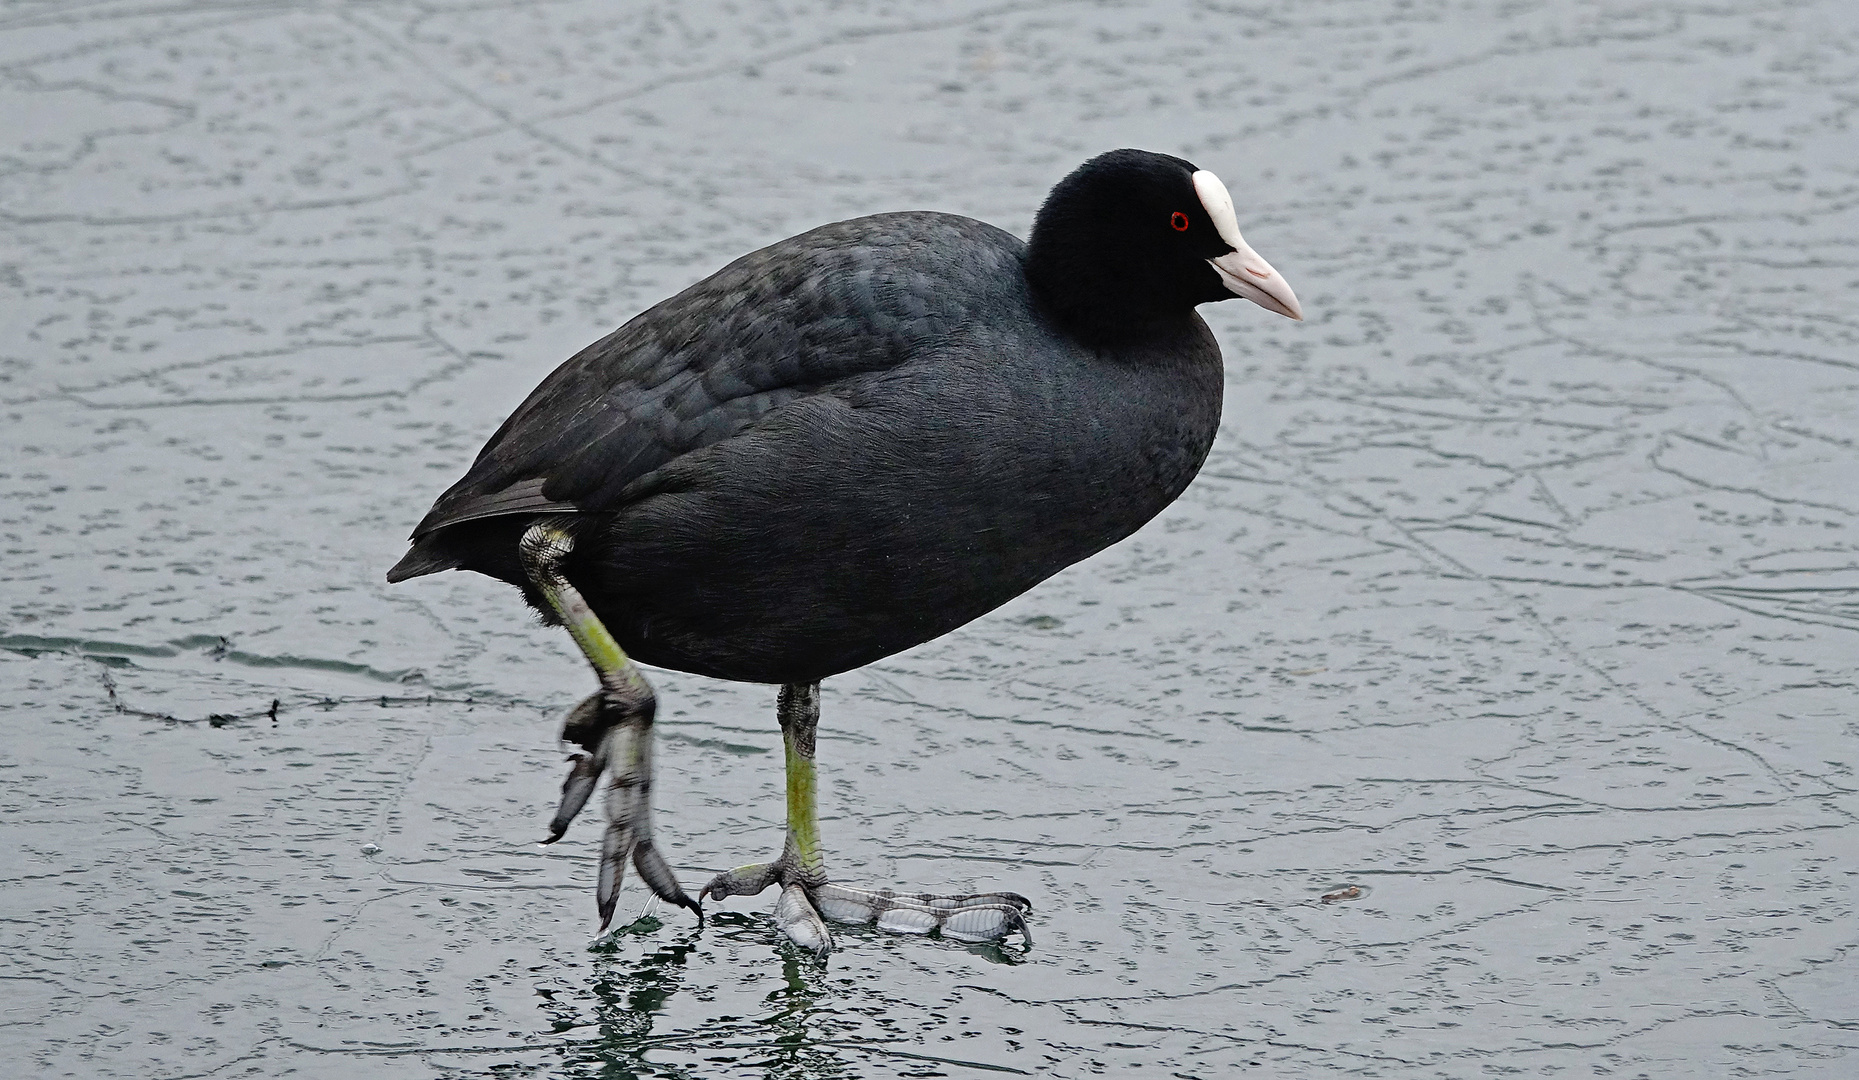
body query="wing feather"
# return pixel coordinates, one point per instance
(794, 319)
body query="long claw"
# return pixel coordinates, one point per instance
(659, 878)
(742, 881)
(803, 926)
(983, 922)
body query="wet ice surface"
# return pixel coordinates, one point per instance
(1519, 591)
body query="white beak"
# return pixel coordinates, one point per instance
(1242, 269)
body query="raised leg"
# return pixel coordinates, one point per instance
(614, 727)
(807, 899)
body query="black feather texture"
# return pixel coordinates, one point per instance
(861, 437)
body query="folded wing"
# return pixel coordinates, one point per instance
(791, 320)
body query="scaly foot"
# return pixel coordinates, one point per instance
(614, 727)
(807, 901)
(616, 735)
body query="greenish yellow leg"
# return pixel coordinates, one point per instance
(614, 726)
(808, 899)
(544, 548)
(801, 866)
(800, 717)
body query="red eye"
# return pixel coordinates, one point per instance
(1179, 220)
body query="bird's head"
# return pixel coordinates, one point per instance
(1132, 236)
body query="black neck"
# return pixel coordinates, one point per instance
(1098, 301)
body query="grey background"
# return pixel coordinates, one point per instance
(1520, 589)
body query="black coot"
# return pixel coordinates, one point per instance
(840, 446)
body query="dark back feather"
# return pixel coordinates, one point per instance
(793, 319)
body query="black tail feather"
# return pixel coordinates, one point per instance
(420, 561)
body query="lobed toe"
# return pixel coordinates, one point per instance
(795, 915)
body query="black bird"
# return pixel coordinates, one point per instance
(843, 445)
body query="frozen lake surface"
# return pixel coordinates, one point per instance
(1520, 591)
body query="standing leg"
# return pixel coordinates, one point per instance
(799, 714)
(800, 869)
(614, 726)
